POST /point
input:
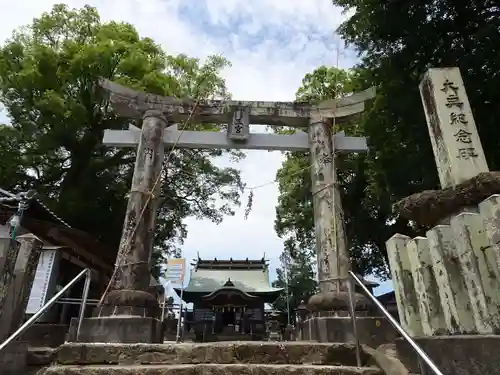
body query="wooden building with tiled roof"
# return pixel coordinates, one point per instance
(228, 298)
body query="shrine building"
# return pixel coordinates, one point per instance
(228, 299)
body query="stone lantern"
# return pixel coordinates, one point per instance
(302, 311)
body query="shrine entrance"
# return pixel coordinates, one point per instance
(229, 305)
(228, 317)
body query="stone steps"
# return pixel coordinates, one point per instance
(252, 352)
(215, 358)
(39, 356)
(213, 369)
(221, 338)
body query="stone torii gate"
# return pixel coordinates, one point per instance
(128, 312)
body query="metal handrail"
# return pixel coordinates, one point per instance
(95, 301)
(352, 312)
(420, 352)
(87, 273)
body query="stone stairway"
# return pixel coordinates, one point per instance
(223, 358)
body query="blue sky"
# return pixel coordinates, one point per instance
(271, 44)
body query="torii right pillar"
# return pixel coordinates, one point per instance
(331, 250)
(331, 321)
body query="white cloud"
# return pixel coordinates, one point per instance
(272, 44)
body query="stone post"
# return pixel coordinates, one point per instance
(20, 263)
(404, 288)
(489, 209)
(482, 285)
(9, 250)
(453, 293)
(129, 313)
(426, 287)
(4, 248)
(24, 275)
(331, 249)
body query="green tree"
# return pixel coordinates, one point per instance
(48, 84)
(294, 213)
(395, 57)
(325, 83)
(296, 276)
(392, 39)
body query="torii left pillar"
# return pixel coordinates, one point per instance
(129, 313)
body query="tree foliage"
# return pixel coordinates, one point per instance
(397, 42)
(48, 84)
(296, 276)
(325, 83)
(395, 55)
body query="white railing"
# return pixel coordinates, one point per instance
(87, 273)
(420, 352)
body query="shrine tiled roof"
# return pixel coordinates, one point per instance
(30, 202)
(39, 220)
(251, 281)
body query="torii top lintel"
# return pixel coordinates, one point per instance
(132, 104)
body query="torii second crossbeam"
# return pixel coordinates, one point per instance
(219, 140)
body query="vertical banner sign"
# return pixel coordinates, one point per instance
(44, 275)
(175, 275)
(175, 271)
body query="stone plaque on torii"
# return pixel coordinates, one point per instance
(127, 294)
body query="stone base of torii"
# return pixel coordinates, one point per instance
(128, 313)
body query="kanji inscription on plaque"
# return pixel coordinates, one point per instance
(239, 127)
